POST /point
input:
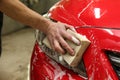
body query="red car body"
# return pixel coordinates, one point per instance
(99, 21)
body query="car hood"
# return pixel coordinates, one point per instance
(100, 13)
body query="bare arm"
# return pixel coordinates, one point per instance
(56, 32)
(19, 12)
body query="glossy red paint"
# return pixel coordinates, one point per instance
(105, 35)
(100, 13)
(97, 64)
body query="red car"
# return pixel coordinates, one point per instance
(99, 21)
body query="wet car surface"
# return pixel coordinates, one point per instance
(98, 20)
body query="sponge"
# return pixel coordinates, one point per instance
(73, 61)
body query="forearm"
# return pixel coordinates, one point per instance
(21, 13)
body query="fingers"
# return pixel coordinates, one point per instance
(71, 38)
(67, 26)
(75, 40)
(57, 35)
(60, 45)
(70, 27)
(55, 45)
(65, 46)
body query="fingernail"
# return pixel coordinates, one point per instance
(72, 53)
(75, 40)
(74, 29)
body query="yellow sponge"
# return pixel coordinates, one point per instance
(73, 61)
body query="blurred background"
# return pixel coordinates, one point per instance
(17, 43)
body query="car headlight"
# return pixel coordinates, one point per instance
(80, 69)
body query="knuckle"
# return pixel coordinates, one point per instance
(56, 48)
(69, 37)
(57, 37)
(64, 45)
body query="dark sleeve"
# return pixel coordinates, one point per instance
(1, 19)
(1, 23)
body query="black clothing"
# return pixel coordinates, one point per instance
(1, 23)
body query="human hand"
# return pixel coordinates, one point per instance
(56, 34)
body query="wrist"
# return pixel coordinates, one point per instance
(43, 25)
(47, 25)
